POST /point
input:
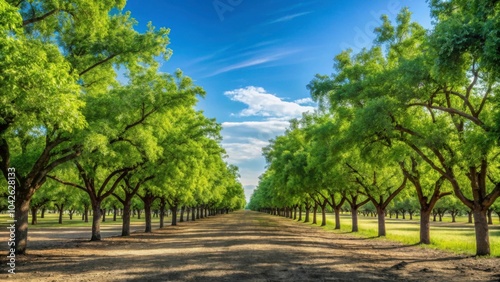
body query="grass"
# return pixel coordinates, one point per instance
(458, 237)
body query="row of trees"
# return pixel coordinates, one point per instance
(418, 109)
(84, 105)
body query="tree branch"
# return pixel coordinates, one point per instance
(110, 176)
(475, 120)
(483, 101)
(115, 184)
(97, 64)
(40, 18)
(67, 183)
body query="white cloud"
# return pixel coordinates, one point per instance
(269, 126)
(261, 103)
(304, 101)
(244, 140)
(244, 149)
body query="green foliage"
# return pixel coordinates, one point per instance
(64, 116)
(429, 96)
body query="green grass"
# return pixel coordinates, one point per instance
(457, 237)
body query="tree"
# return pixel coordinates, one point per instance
(39, 200)
(57, 51)
(121, 138)
(324, 133)
(438, 103)
(380, 184)
(126, 192)
(148, 197)
(428, 189)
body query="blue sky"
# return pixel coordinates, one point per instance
(254, 58)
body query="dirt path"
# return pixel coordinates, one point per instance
(47, 237)
(245, 246)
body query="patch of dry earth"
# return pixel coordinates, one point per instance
(244, 246)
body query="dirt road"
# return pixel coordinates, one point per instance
(244, 246)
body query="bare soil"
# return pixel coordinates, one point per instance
(241, 246)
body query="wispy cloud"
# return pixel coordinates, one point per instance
(248, 63)
(208, 57)
(287, 18)
(276, 55)
(287, 8)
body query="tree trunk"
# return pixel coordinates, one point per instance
(193, 215)
(147, 215)
(86, 213)
(126, 218)
(490, 219)
(323, 215)
(337, 217)
(96, 221)
(60, 210)
(181, 219)
(34, 220)
(22, 207)
(425, 226)
(381, 222)
(307, 214)
(103, 211)
(138, 213)
(42, 215)
(162, 212)
(115, 212)
(174, 215)
(300, 213)
(481, 228)
(469, 213)
(315, 210)
(354, 217)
